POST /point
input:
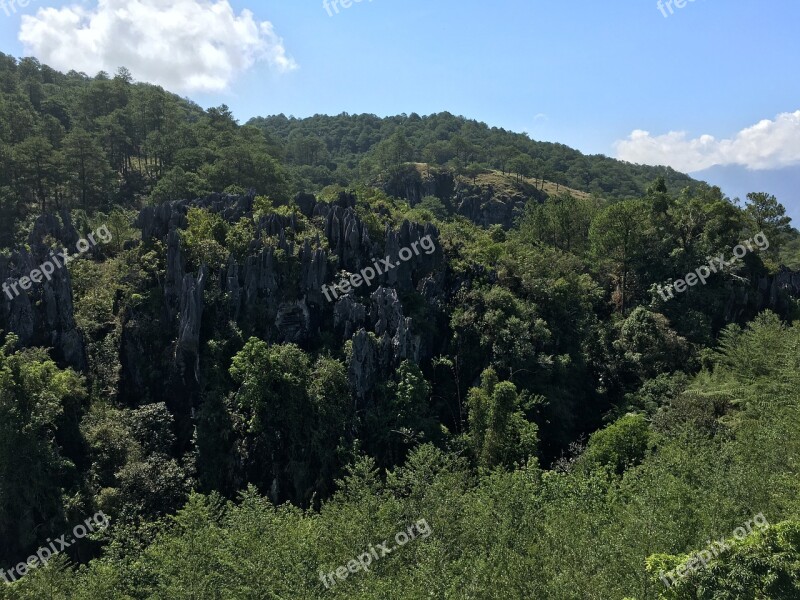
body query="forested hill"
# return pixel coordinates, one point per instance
(339, 149)
(75, 141)
(71, 141)
(288, 341)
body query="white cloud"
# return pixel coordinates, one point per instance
(183, 45)
(766, 145)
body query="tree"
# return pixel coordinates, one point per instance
(88, 168)
(463, 150)
(394, 151)
(621, 445)
(271, 411)
(435, 206)
(438, 153)
(204, 238)
(403, 418)
(332, 409)
(618, 235)
(306, 150)
(178, 184)
(499, 434)
(504, 155)
(39, 167)
(765, 214)
(473, 170)
(36, 400)
(507, 330)
(759, 563)
(649, 345)
(120, 224)
(562, 221)
(247, 165)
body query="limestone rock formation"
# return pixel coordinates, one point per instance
(44, 315)
(364, 364)
(349, 315)
(486, 206)
(413, 182)
(187, 350)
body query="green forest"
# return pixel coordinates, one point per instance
(563, 428)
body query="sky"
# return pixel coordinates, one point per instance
(710, 83)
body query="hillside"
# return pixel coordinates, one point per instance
(322, 149)
(267, 350)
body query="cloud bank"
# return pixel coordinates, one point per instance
(183, 45)
(766, 145)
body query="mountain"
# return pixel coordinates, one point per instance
(322, 150)
(300, 336)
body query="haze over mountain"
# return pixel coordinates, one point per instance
(381, 350)
(737, 182)
(763, 157)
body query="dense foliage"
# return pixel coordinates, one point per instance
(325, 150)
(565, 429)
(724, 450)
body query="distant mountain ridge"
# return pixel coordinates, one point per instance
(328, 149)
(737, 182)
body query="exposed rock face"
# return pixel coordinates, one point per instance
(364, 364)
(787, 280)
(420, 264)
(375, 355)
(260, 279)
(230, 284)
(486, 207)
(349, 315)
(770, 292)
(17, 312)
(384, 335)
(413, 183)
(44, 315)
(313, 272)
(386, 312)
(187, 351)
(130, 352)
(49, 225)
(273, 292)
(348, 238)
(59, 322)
(432, 288)
(293, 321)
(158, 221)
(275, 225)
(405, 344)
(175, 270)
(387, 320)
(306, 203)
(483, 205)
(281, 299)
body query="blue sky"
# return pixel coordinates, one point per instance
(584, 73)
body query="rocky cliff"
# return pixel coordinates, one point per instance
(275, 292)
